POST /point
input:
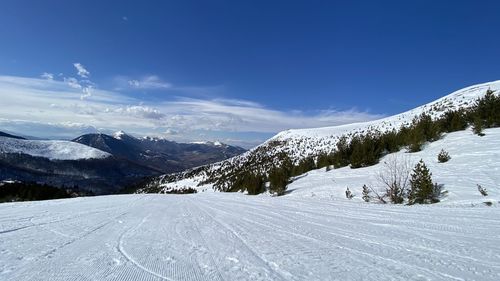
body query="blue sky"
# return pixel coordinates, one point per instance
(292, 63)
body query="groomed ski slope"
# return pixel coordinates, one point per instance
(216, 236)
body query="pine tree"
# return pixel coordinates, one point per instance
(348, 194)
(422, 188)
(482, 190)
(395, 193)
(443, 156)
(366, 193)
(278, 180)
(477, 127)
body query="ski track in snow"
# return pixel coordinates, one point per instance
(216, 236)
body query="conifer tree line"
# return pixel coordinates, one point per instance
(366, 149)
(361, 150)
(31, 191)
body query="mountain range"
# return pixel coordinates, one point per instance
(160, 154)
(102, 163)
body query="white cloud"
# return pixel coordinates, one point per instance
(87, 92)
(149, 82)
(72, 82)
(141, 111)
(82, 72)
(46, 108)
(85, 84)
(48, 76)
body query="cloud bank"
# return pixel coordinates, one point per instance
(65, 109)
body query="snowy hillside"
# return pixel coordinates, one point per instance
(307, 142)
(474, 160)
(300, 144)
(54, 150)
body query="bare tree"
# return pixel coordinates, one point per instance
(395, 176)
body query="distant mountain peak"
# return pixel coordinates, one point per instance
(159, 153)
(119, 135)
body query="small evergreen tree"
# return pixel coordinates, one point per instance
(482, 190)
(415, 140)
(348, 194)
(422, 188)
(488, 109)
(453, 120)
(477, 127)
(341, 156)
(395, 193)
(366, 193)
(443, 156)
(278, 181)
(323, 160)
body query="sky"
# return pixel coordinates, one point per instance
(233, 71)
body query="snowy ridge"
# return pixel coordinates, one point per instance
(51, 149)
(310, 142)
(302, 143)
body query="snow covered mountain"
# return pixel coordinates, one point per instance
(51, 149)
(66, 164)
(101, 163)
(160, 154)
(303, 143)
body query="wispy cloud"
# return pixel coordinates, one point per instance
(149, 82)
(82, 72)
(85, 85)
(48, 76)
(57, 108)
(72, 82)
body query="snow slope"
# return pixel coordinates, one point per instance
(474, 160)
(54, 150)
(221, 236)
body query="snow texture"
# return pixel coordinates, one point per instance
(221, 236)
(54, 150)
